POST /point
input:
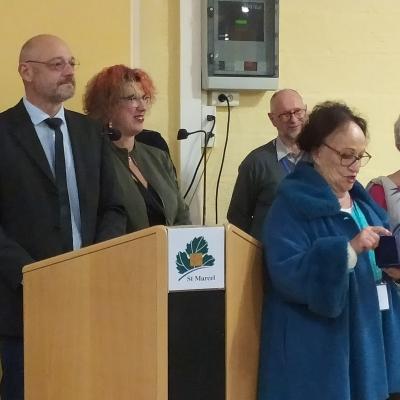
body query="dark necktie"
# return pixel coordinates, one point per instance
(61, 182)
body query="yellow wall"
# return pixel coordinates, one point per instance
(97, 32)
(339, 50)
(347, 50)
(159, 56)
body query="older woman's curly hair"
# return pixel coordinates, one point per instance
(104, 90)
(325, 118)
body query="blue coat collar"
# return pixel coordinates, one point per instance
(308, 192)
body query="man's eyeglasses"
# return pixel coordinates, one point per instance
(348, 159)
(57, 64)
(134, 100)
(299, 113)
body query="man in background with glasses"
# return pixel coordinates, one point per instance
(262, 170)
(57, 187)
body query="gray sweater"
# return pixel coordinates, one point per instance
(259, 176)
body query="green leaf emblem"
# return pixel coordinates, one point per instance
(194, 257)
(183, 262)
(197, 245)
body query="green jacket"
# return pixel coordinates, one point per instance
(157, 168)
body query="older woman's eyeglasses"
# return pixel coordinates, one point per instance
(135, 100)
(347, 159)
(57, 64)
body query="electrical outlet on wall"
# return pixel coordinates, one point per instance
(233, 98)
(207, 113)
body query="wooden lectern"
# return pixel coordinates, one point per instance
(99, 323)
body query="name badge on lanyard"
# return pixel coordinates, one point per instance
(383, 297)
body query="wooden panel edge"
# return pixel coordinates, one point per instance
(230, 228)
(94, 248)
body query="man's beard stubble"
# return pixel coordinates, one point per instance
(65, 90)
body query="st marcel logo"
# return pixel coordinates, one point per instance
(195, 258)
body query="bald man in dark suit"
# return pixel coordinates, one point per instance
(37, 219)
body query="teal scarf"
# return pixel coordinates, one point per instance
(362, 223)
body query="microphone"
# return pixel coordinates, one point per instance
(184, 134)
(112, 133)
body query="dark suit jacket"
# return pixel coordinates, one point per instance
(29, 212)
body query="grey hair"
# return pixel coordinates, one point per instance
(397, 133)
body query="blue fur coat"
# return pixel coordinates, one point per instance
(324, 336)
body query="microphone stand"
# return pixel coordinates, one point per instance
(183, 134)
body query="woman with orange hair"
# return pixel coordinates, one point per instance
(119, 97)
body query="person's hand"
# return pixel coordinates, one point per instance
(394, 273)
(368, 238)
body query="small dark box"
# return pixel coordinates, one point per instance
(386, 253)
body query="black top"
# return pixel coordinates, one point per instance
(155, 209)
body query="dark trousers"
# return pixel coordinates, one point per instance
(12, 362)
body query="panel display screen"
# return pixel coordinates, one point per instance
(241, 21)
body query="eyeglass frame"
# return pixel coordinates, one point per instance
(52, 63)
(365, 155)
(286, 116)
(131, 99)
